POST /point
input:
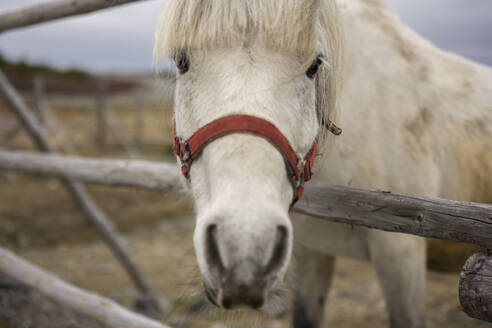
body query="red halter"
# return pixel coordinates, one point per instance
(299, 170)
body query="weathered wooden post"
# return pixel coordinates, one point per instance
(476, 286)
(101, 115)
(138, 119)
(39, 86)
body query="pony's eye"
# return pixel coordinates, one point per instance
(182, 62)
(313, 69)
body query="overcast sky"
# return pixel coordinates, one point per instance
(120, 40)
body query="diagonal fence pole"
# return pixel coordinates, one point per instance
(54, 10)
(83, 199)
(85, 303)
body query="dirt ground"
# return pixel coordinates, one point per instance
(50, 232)
(40, 223)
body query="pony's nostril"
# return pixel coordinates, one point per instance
(235, 295)
(212, 252)
(279, 251)
(256, 301)
(227, 303)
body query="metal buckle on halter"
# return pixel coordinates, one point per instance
(301, 164)
(183, 151)
(298, 178)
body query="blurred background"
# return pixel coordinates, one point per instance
(91, 82)
(120, 40)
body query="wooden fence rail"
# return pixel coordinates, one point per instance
(418, 215)
(54, 10)
(87, 304)
(110, 172)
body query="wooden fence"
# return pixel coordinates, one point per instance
(418, 215)
(95, 215)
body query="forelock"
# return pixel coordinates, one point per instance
(300, 27)
(286, 25)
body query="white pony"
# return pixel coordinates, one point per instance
(415, 120)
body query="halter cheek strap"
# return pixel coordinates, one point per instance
(299, 169)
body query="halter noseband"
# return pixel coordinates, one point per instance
(299, 169)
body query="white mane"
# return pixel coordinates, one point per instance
(304, 28)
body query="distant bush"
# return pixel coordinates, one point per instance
(22, 68)
(71, 81)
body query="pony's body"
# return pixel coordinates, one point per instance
(411, 113)
(415, 120)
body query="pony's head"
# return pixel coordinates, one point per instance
(274, 60)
